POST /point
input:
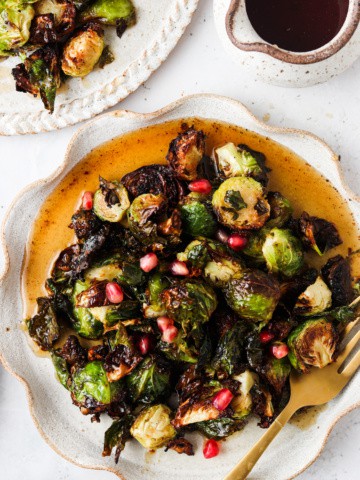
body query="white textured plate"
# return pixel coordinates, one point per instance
(61, 424)
(140, 51)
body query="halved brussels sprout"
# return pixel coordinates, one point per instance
(276, 371)
(86, 324)
(152, 428)
(253, 296)
(233, 161)
(228, 353)
(186, 152)
(197, 217)
(282, 252)
(318, 234)
(240, 204)
(196, 253)
(154, 307)
(197, 408)
(15, 22)
(312, 343)
(315, 299)
(107, 269)
(109, 12)
(179, 350)
(280, 210)
(220, 271)
(149, 381)
(242, 402)
(254, 246)
(54, 20)
(83, 50)
(111, 201)
(143, 210)
(337, 275)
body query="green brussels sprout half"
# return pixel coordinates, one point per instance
(154, 307)
(141, 214)
(253, 296)
(152, 427)
(111, 201)
(312, 344)
(196, 216)
(283, 252)
(315, 299)
(106, 269)
(280, 210)
(15, 22)
(43, 327)
(254, 246)
(109, 12)
(220, 427)
(86, 324)
(220, 271)
(82, 51)
(233, 161)
(318, 234)
(196, 253)
(91, 383)
(276, 371)
(228, 352)
(61, 369)
(198, 407)
(179, 350)
(149, 381)
(240, 204)
(242, 403)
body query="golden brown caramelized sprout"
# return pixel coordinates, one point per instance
(186, 152)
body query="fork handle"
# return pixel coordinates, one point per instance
(244, 467)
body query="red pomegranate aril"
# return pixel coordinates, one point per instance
(170, 334)
(222, 399)
(266, 337)
(222, 236)
(179, 268)
(211, 449)
(87, 201)
(200, 186)
(148, 262)
(279, 350)
(114, 292)
(237, 242)
(164, 322)
(144, 344)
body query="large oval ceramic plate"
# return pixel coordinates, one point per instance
(60, 423)
(140, 51)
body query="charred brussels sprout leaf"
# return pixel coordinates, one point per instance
(276, 371)
(143, 212)
(43, 327)
(282, 252)
(84, 223)
(253, 210)
(116, 436)
(253, 296)
(220, 427)
(54, 20)
(253, 249)
(186, 152)
(229, 350)
(318, 234)
(154, 306)
(152, 427)
(149, 381)
(61, 369)
(179, 350)
(85, 324)
(83, 50)
(197, 217)
(39, 75)
(337, 275)
(111, 201)
(312, 343)
(315, 299)
(109, 12)
(15, 21)
(280, 210)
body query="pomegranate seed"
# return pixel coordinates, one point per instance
(211, 449)
(144, 344)
(148, 262)
(114, 292)
(222, 399)
(179, 268)
(164, 323)
(279, 350)
(237, 242)
(266, 337)
(170, 334)
(200, 186)
(222, 236)
(87, 201)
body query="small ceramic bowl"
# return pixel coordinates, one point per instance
(282, 67)
(60, 423)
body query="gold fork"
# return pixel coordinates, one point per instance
(317, 387)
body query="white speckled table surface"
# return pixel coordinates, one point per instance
(198, 64)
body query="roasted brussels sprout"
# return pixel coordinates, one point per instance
(228, 352)
(315, 299)
(179, 350)
(39, 75)
(253, 249)
(237, 161)
(312, 343)
(83, 50)
(186, 152)
(117, 435)
(253, 296)
(111, 201)
(239, 203)
(15, 21)
(318, 234)
(197, 217)
(53, 21)
(337, 275)
(61, 369)
(282, 252)
(197, 408)
(152, 427)
(86, 324)
(195, 253)
(149, 381)
(280, 210)
(276, 371)
(142, 215)
(72, 352)
(242, 402)
(154, 307)
(219, 271)
(43, 327)
(106, 269)
(84, 223)
(109, 12)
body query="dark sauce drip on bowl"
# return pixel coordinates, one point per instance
(297, 25)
